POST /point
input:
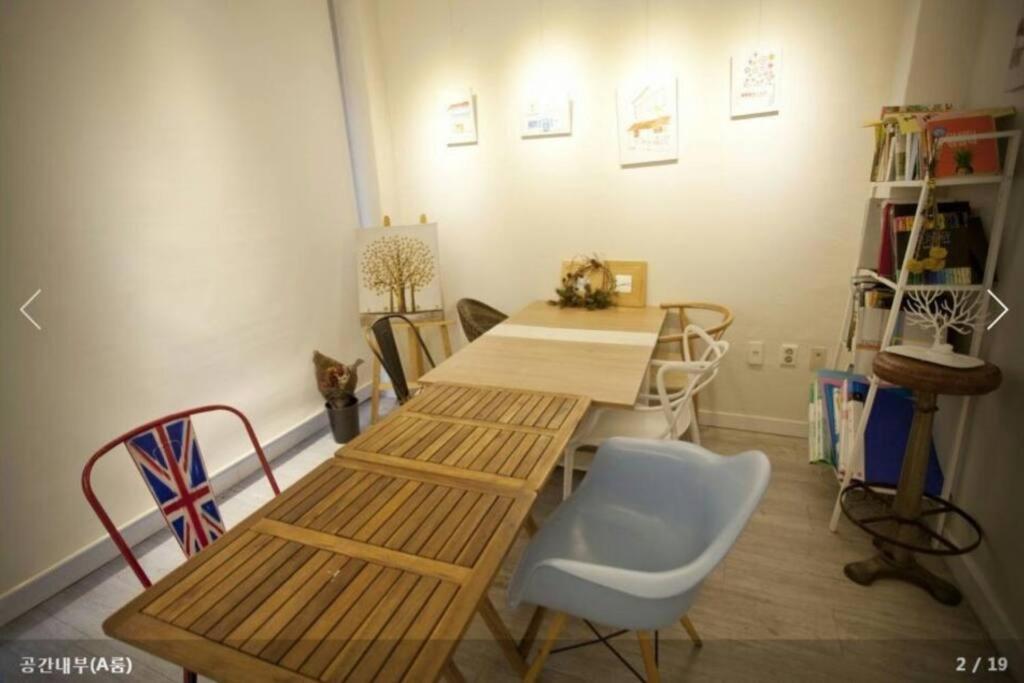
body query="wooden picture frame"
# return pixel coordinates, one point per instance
(633, 272)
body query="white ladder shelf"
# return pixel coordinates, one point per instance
(900, 287)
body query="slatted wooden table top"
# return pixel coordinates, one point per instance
(369, 568)
(602, 355)
(504, 438)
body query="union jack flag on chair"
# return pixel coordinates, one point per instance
(166, 453)
(171, 464)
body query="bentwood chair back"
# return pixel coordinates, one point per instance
(477, 317)
(723, 318)
(385, 348)
(633, 545)
(166, 453)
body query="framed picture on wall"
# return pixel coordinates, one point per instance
(399, 270)
(755, 83)
(648, 122)
(546, 115)
(460, 117)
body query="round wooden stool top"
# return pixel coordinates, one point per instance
(920, 375)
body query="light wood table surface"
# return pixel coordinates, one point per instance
(371, 567)
(602, 355)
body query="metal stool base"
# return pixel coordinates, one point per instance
(882, 566)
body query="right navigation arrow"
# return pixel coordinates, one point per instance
(1000, 316)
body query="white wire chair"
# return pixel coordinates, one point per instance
(666, 414)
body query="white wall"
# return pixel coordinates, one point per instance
(366, 104)
(175, 177)
(943, 51)
(761, 214)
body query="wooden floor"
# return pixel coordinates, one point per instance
(778, 608)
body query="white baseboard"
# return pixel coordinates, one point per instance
(49, 582)
(986, 605)
(754, 423)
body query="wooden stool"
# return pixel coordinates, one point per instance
(896, 560)
(416, 360)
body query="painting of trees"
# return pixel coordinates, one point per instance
(398, 265)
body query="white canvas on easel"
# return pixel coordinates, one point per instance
(399, 269)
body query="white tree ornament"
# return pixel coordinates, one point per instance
(941, 312)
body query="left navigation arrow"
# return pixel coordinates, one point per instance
(26, 305)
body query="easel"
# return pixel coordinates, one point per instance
(416, 370)
(415, 355)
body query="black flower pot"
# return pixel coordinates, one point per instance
(344, 420)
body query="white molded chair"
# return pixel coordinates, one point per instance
(632, 547)
(664, 415)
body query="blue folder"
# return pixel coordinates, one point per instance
(886, 438)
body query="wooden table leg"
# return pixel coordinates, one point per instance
(502, 636)
(526, 644)
(530, 526)
(451, 673)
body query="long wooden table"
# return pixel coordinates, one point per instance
(602, 355)
(371, 567)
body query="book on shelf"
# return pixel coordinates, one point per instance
(905, 140)
(952, 247)
(899, 154)
(835, 411)
(978, 157)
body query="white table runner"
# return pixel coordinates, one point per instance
(574, 335)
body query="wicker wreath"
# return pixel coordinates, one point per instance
(589, 284)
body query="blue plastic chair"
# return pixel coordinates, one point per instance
(632, 546)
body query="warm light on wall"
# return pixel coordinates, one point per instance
(549, 70)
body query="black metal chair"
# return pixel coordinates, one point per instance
(385, 348)
(477, 317)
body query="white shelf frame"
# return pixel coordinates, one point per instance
(900, 287)
(873, 275)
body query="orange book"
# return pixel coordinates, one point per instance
(965, 158)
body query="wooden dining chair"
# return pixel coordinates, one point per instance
(477, 317)
(719, 318)
(714, 328)
(166, 453)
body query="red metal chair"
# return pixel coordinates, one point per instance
(167, 455)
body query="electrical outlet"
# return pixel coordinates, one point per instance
(817, 361)
(787, 355)
(755, 353)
